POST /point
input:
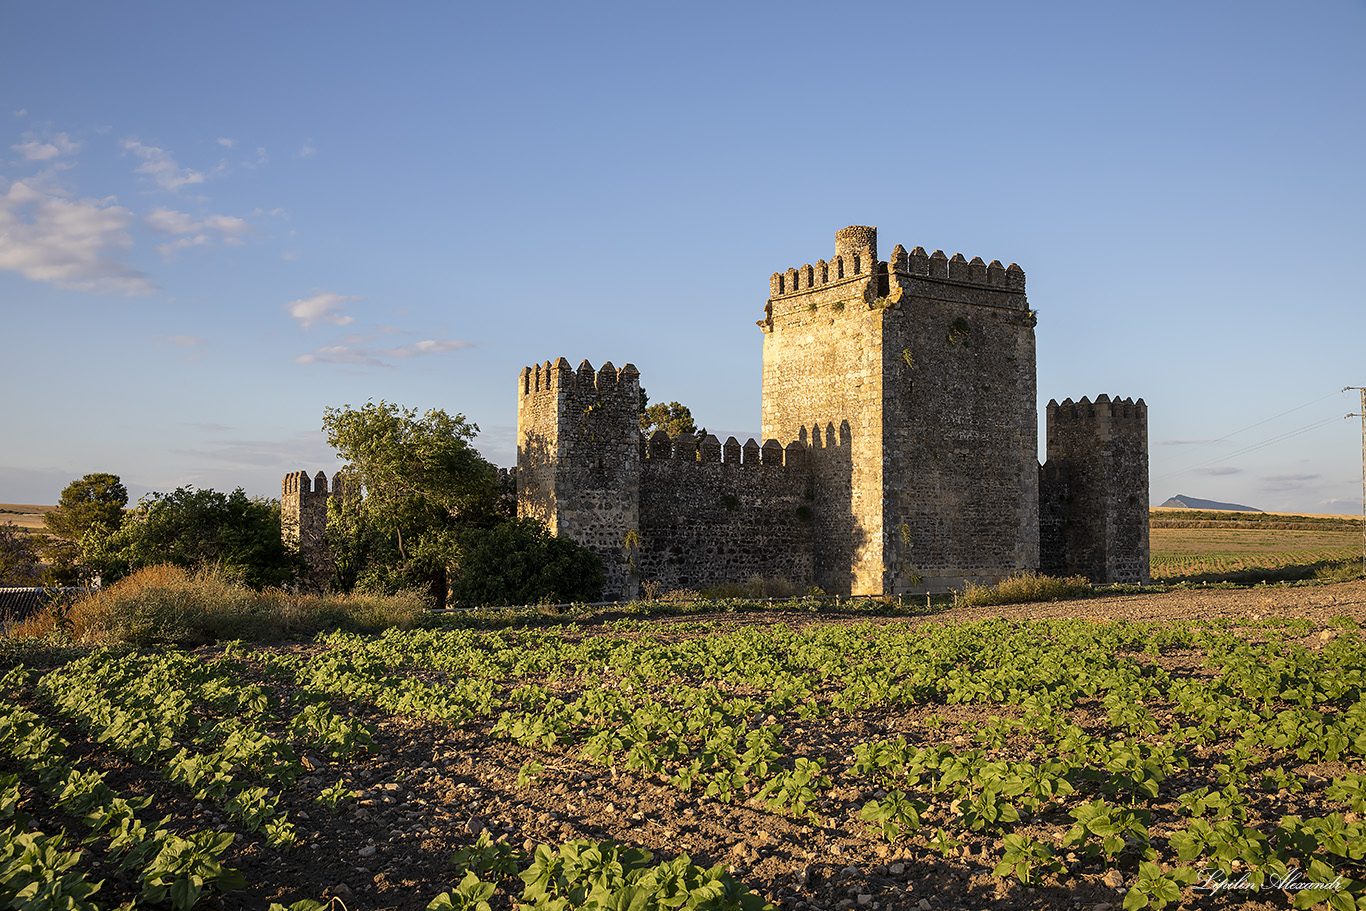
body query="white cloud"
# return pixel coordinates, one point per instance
(228, 229)
(307, 150)
(22, 112)
(321, 307)
(341, 354)
(35, 149)
(225, 142)
(161, 166)
(46, 236)
(429, 346)
(353, 352)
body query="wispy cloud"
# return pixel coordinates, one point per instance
(1182, 442)
(364, 355)
(1284, 482)
(307, 150)
(428, 346)
(225, 142)
(47, 236)
(34, 148)
(195, 232)
(180, 341)
(161, 166)
(322, 307)
(1219, 470)
(22, 112)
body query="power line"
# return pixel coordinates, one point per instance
(1253, 447)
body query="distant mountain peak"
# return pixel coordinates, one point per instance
(1181, 501)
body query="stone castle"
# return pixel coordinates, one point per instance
(900, 454)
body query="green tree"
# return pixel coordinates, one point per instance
(195, 528)
(18, 556)
(90, 508)
(423, 483)
(520, 562)
(674, 419)
(96, 501)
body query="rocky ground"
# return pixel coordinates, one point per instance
(427, 789)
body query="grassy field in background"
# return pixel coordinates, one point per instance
(1210, 546)
(24, 515)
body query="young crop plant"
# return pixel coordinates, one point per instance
(334, 796)
(185, 867)
(486, 857)
(1104, 830)
(36, 873)
(472, 894)
(1155, 889)
(1027, 859)
(795, 790)
(896, 814)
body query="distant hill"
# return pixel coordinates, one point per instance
(1181, 501)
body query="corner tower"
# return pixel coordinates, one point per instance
(1094, 490)
(913, 381)
(578, 460)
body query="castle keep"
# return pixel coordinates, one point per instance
(900, 449)
(900, 454)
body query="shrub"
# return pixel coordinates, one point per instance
(170, 604)
(520, 562)
(1023, 588)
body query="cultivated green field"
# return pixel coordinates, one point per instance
(1206, 546)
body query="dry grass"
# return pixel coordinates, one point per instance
(1024, 588)
(170, 605)
(26, 516)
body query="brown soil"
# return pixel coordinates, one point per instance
(428, 788)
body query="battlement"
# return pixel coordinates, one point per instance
(710, 451)
(1117, 412)
(855, 263)
(605, 382)
(855, 258)
(956, 268)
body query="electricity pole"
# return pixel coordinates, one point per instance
(1362, 415)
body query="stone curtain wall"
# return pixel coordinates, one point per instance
(711, 513)
(1094, 493)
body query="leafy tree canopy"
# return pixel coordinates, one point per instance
(423, 484)
(18, 557)
(94, 501)
(194, 528)
(674, 419)
(520, 562)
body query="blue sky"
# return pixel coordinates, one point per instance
(217, 221)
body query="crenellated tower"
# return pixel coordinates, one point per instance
(1093, 490)
(578, 460)
(303, 523)
(925, 363)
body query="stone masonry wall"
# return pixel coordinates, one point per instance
(1094, 493)
(578, 460)
(960, 427)
(823, 382)
(711, 513)
(926, 367)
(303, 524)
